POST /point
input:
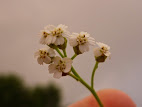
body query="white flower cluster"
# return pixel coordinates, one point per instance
(80, 42)
(54, 35)
(57, 65)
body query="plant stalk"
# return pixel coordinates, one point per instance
(93, 73)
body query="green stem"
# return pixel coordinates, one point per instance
(74, 76)
(74, 72)
(59, 52)
(87, 86)
(73, 56)
(64, 51)
(93, 73)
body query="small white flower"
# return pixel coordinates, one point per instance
(83, 40)
(44, 55)
(60, 32)
(54, 35)
(45, 34)
(103, 49)
(60, 66)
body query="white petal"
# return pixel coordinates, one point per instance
(36, 54)
(84, 48)
(62, 26)
(40, 60)
(102, 45)
(107, 53)
(56, 60)
(68, 63)
(97, 52)
(53, 39)
(42, 40)
(66, 34)
(47, 60)
(51, 52)
(59, 41)
(73, 41)
(91, 41)
(67, 60)
(84, 33)
(52, 68)
(49, 27)
(49, 39)
(57, 74)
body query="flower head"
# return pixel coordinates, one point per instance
(54, 35)
(81, 40)
(44, 55)
(45, 34)
(101, 52)
(60, 66)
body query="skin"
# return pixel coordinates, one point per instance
(109, 98)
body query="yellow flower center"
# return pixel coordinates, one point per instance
(81, 39)
(61, 66)
(45, 34)
(43, 53)
(104, 49)
(57, 32)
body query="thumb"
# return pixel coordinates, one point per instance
(109, 98)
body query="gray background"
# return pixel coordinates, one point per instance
(117, 23)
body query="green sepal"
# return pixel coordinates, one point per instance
(76, 50)
(101, 58)
(52, 46)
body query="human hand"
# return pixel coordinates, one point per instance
(109, 98)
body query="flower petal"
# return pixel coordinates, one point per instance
(49, 27)
(107, 53)
(68, 63)
(51, 52)
(53, 39)
(73, 41)
(57, 74)
(56, 60)
(91, 41)
(102, 45)
(67, 60)
(42, 40)
(40, 60)
(36, 54)
(47, 60)
(59, 40)
(48, 39)
(66, 34)
(97, 52)
(84, 48)
(68, 68)
(52, 68)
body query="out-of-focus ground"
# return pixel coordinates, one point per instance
(15, 93)
(117, 23)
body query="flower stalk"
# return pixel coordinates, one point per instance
(73, 56)
(64, 51)
(93, 74)
(59, 52)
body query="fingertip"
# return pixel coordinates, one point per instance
(115, 98)
(109, 98)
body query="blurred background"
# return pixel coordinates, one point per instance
(117, 23)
